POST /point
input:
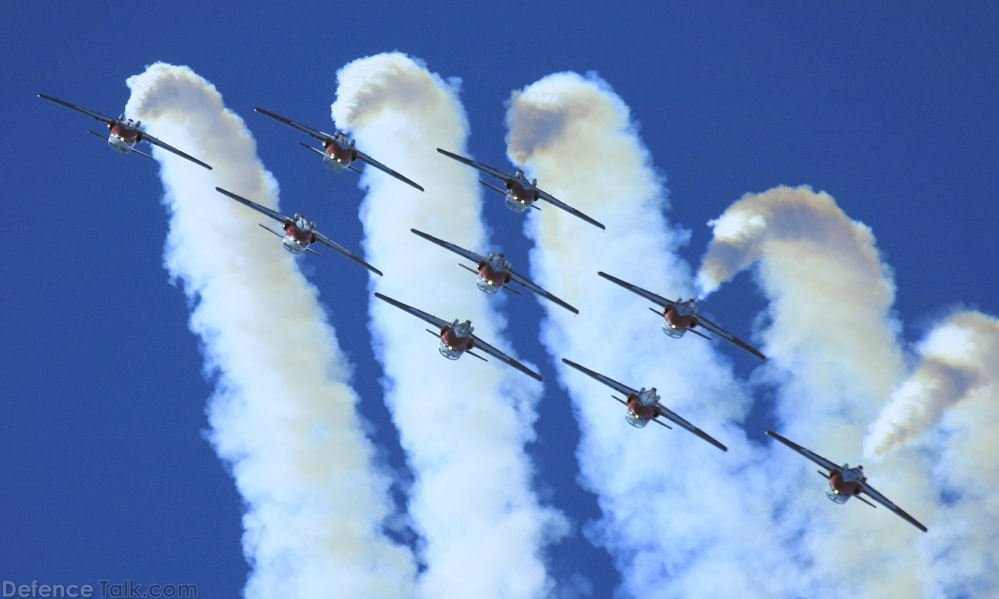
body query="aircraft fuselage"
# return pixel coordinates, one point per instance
(493, 274)
(520, 193)
(456, 339)
(123, 136)
(339, 154)
(642, 407)
(845, 483)
(298, 235)
(678, 319)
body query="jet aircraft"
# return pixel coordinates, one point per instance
(846, 482)
(494, 271)
(299, 233)
(643, 405)
(681, 316)
(125, 133)
(457, 338)
(338, 150)
(520, 193)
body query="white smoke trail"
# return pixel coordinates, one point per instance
(959, 357)
(680, 518)
(952, 391)
(963, 546)
(834, 353)
(828, 288)
(463, 424)
(282, 415)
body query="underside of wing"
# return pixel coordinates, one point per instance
(336, 246)
(437, 322)
(86, 111)
(528, 284)
(821, 461)
(619, 387)
(489, 170)
(674, 417)
(296, 125)
(652, 297)
(717, 330)
(876, 496)
(468, 254)
(560, 204)
(251, 204)
(492, 351)
(385, 169)
(169, 148)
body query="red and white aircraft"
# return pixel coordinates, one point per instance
(125, 133)
(299, 233)
(681, 316)
(846, 482)
(457, 338)
(643, 405)
(494, 271)
(338, 150)
(520, 193)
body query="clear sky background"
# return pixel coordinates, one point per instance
(106, 473)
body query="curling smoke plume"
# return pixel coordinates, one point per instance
(680, 518)
(282, 415)
(834, 359)
(959, 360)
(830, 295)
(463, 424)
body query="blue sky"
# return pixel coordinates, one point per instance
(891, 110)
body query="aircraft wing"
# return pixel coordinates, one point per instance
(559, 203)
(86, 111)
(378, 165)
(876, 496)
(169, 148)
(821, 461)
(527, 283)
(673, 416)
(271, 213)
(652, 297)
(619, 387)
(296, 125)
(437, 322)
(492, 351)
(336, 246)
(476, 164)
(470, 255)
(717, 330)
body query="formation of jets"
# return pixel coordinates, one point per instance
(494, 272)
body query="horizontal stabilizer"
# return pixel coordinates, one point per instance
(311, 149)
(865, 501)
(469, 352)
(493, 187)
(270, 230)
(698, 333)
